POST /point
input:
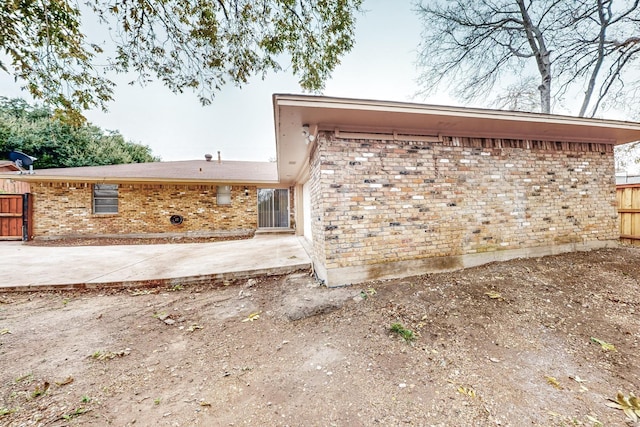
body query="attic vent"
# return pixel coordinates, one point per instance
(208, 157)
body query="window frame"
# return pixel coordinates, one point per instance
(223, 198)
(105, 192)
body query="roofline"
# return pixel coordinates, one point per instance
(415, 108)
(127, 180)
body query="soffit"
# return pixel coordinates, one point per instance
(355, 115)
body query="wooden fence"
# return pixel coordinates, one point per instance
(628, 196)
(9, 186)
(15, 216)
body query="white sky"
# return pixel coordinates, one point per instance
(239, 122)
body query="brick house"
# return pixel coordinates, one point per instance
(182, 198)
(376, 189)
(393, 189)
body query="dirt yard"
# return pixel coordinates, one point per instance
(530, 342)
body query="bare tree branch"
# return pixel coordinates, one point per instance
(584, 49)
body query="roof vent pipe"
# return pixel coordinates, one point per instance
(219, 158)
(208, 157)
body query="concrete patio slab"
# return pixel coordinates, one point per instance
(29, 268)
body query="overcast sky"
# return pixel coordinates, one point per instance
(239, 123)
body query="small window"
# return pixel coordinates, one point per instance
(105, 198)
(224, 195)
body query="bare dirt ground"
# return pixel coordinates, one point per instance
(513, 344)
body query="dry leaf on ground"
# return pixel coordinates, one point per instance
(554, 382)
(252, 317)
(629, 405)
(494, 295)
(605, 345)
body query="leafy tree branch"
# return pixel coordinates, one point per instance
(198, 45)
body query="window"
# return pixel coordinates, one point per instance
(273, 208)
(105, 198)
(224, 195)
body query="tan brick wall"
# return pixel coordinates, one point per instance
(317, 190)
(66, 210)
(383, 201)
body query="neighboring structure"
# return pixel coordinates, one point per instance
(195, 198)
(378, 189)
(392, 189)
(8, 185)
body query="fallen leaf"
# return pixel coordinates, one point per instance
(467, 390)
(578, 379)
(629, 405)
(554, 382)
(40, 390)
(4, 331)
(605, 345)
(66, 381)
(252, 317)
(193, 327)
(203, 403)
(108, 355)
(494, 295)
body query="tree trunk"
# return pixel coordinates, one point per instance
(545, 85)
(542, 55)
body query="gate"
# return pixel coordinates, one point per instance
(15, 219)
(628, 196)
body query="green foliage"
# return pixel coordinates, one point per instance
(199, 45)
(406, 334)
(48, 52)
(6, 411)
(35, 131)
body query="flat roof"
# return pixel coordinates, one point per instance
(177, 172)
(372, 116)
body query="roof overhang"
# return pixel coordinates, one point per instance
(322, 113)
(128, 180)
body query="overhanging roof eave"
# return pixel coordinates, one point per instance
(462, 120)
(131, 180)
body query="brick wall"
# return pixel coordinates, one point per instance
(388, 201)
(66, 210)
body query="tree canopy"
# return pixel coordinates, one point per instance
(199, 45)
(35, 131)
(563, 51)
